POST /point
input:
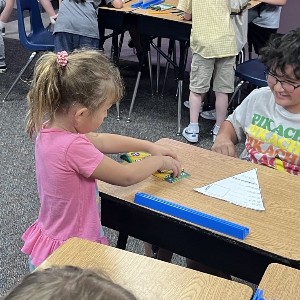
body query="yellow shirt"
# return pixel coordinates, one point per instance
(212, 34)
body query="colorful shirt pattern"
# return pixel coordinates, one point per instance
(272, 134)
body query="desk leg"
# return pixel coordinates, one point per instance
(170, 52)
(146, 51)
(183, 46)
(158, 64)
(122, 240)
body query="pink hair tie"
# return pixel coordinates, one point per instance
(62, 58)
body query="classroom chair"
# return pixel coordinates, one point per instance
(37, 39)
(251, 71)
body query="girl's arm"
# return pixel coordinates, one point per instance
(116, 173)
(113, 144)
(226, 140)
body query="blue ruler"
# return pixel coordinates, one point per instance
(192, 215)
(146, 5)
(259, 295)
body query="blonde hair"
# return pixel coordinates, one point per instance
(88, 79)
(68, 283)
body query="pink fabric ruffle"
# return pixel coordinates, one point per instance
(39, 246)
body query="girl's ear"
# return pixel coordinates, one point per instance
(80, 114)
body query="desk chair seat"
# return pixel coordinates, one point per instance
(251, 71)
(38, 39)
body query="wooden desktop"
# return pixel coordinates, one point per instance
(274, 233)
(145, 277)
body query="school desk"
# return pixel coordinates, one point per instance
(274, 233)
(145, 277)
(281, 283)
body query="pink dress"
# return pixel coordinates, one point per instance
(64, 164)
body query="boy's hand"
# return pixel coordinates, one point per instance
(224, 146)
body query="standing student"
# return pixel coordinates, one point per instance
(265, 23)
(2, 48)
(76, 24)
(214, 50)
(69, 98)
(6, 7)
(269, 118)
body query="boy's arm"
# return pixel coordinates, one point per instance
(226, 140)
(114, 144)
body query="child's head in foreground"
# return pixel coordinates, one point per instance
(63, 83)
(67, 283)
(282, 59)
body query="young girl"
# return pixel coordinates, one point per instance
(69, 98)
(76, 24)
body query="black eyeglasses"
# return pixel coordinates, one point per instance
(273, 80)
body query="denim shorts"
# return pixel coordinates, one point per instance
(64, 41)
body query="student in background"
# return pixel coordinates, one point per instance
(68, 283)
(69, 98)
(2, 48)
(6, 7)
(269, 118)
(264, 23)
(214, 50)
(76, 24)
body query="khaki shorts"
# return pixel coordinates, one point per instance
(204, 69)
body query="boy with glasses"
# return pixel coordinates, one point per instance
(269, 118)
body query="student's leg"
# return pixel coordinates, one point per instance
(2, 54)
(201, 72)
(136, 40)
(223, 85)
(259, 36)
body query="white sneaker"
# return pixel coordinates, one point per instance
(209, 114)
(192, 137)
(186, 103)
(215, 132)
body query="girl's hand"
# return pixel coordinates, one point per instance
(170, 163)
(157, 150)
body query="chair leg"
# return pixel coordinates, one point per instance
(179, 106)
(118, 110)
(158, 64)
(150, 72)
(31, 57)
(134, 94)
(237, 89)
(170, 52)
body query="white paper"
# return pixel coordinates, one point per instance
(241, 189)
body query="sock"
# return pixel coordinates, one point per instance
(2, 25)
(193, 127)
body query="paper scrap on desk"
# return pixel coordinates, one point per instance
(241, 189)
